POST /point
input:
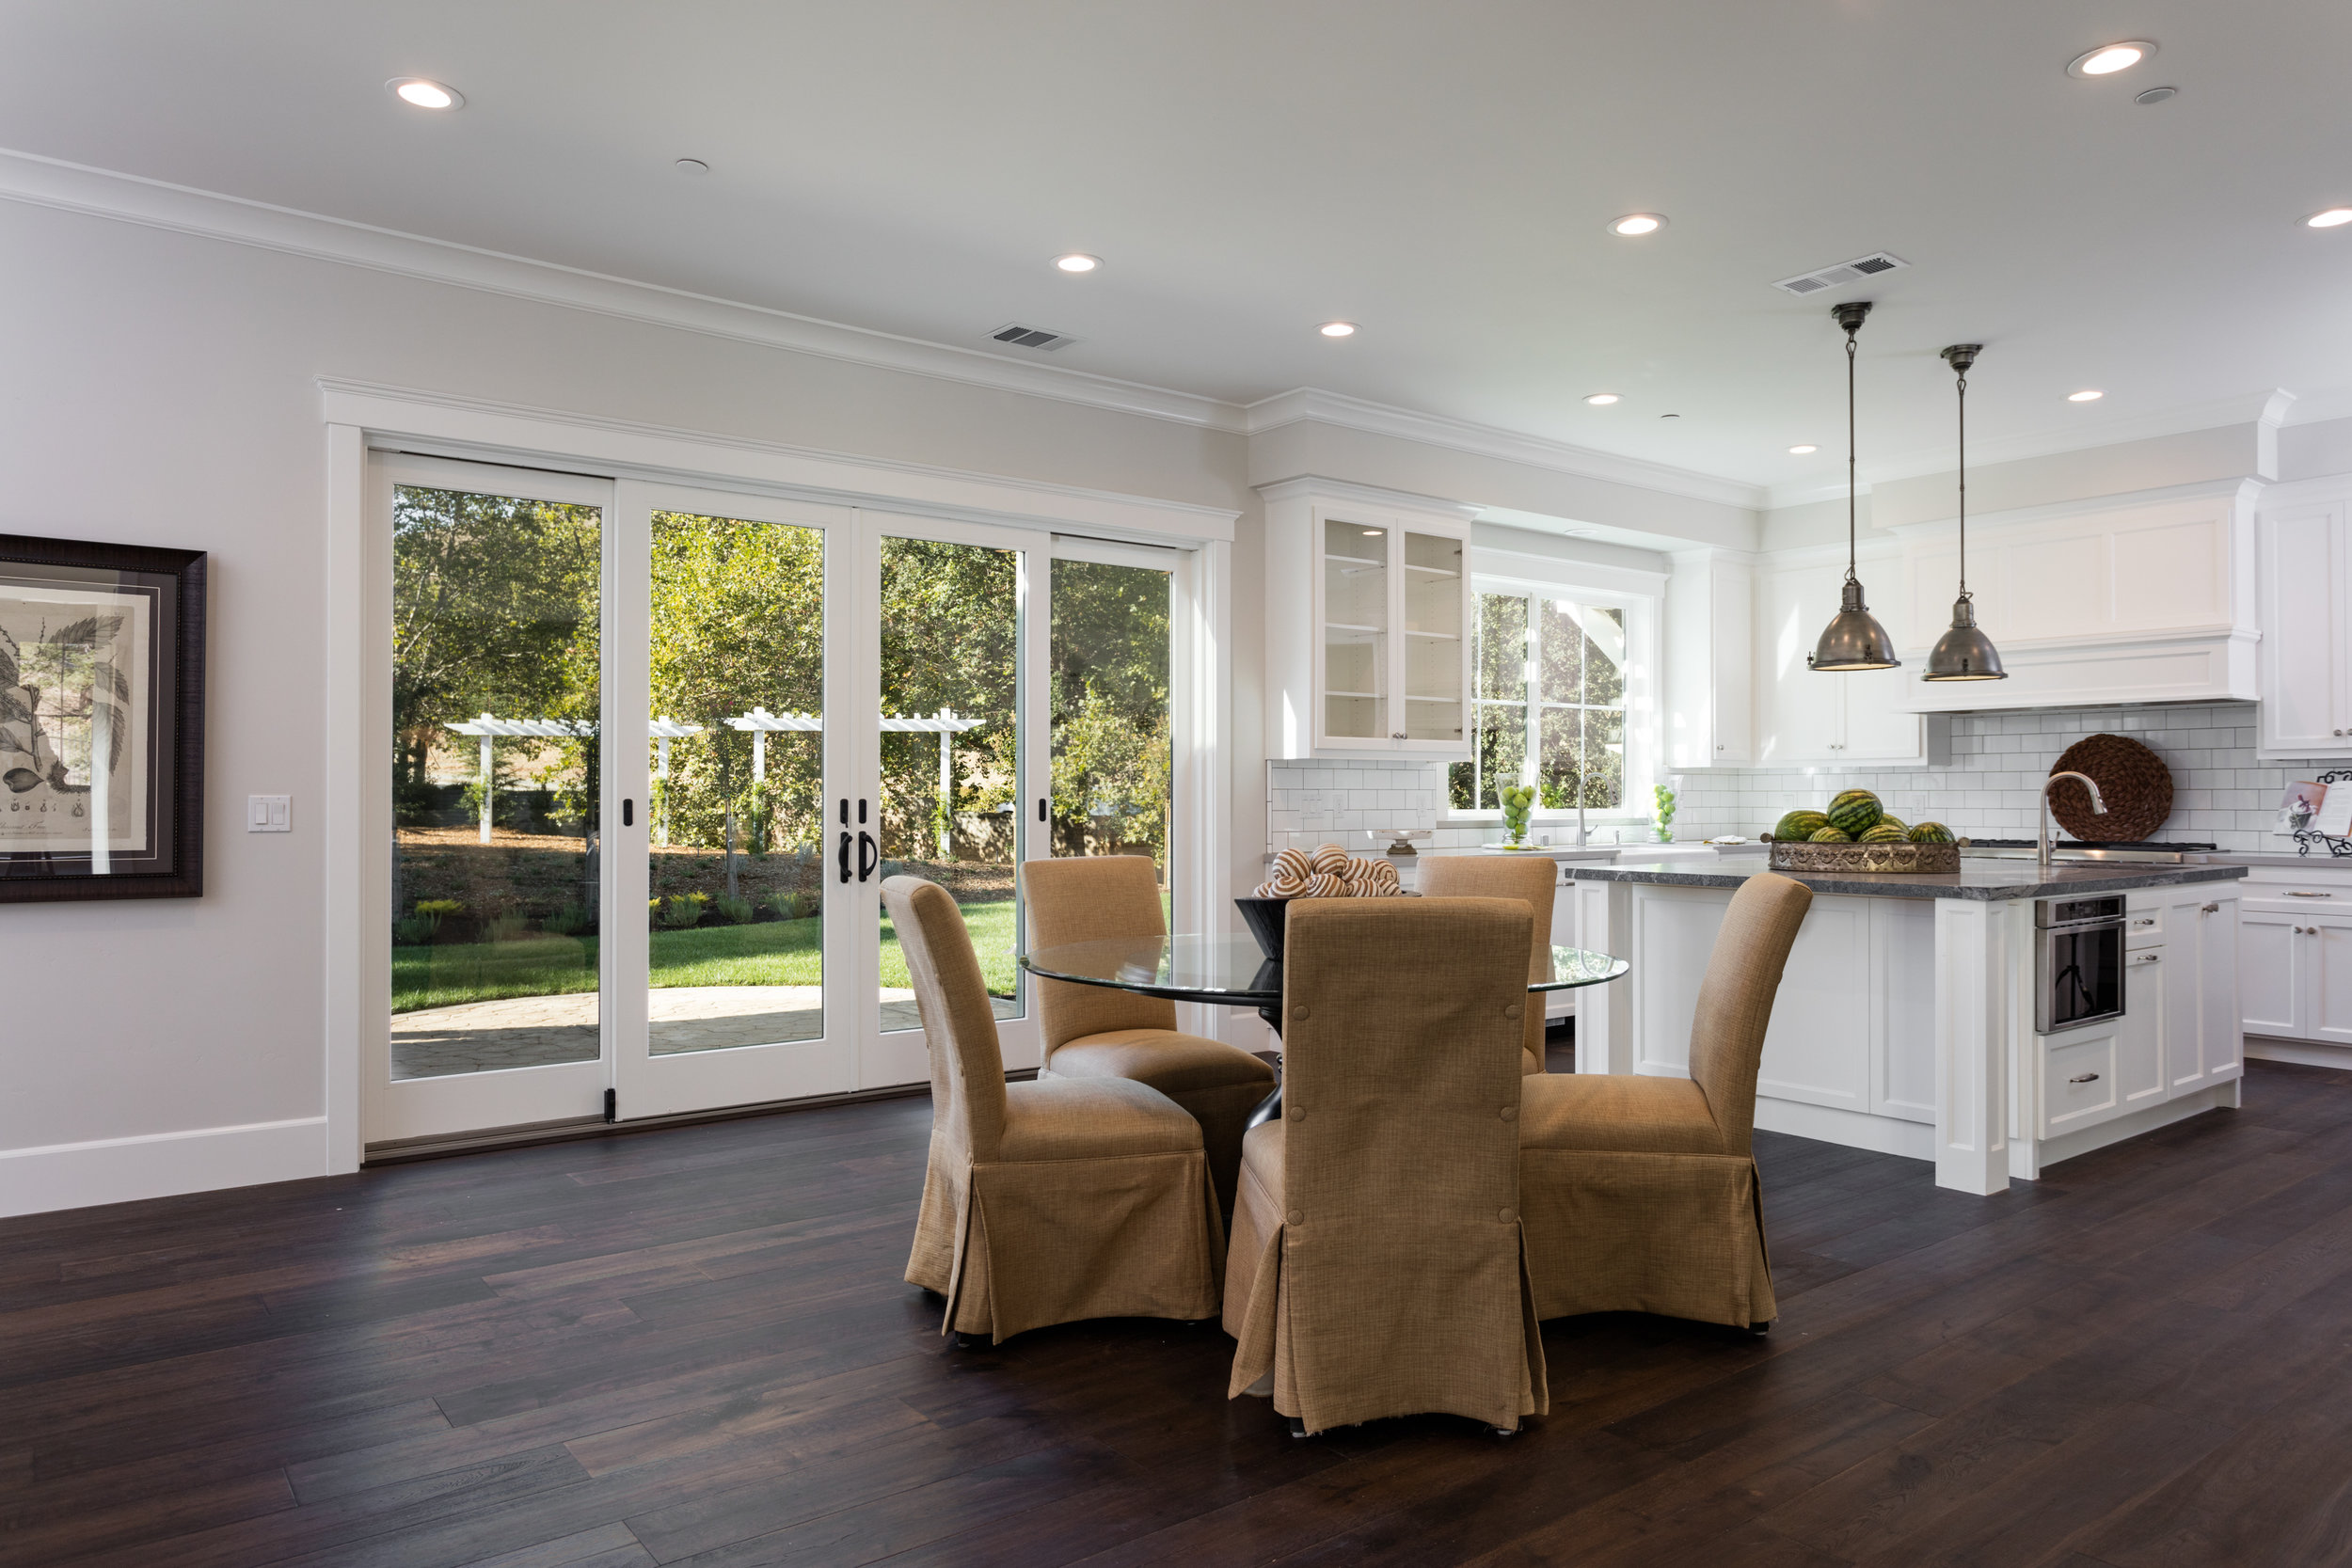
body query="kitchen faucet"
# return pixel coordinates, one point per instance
(2041, 838)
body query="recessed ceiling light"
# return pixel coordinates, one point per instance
(2156, 95)
(2085, 396)
(2333, 218)
(424, 93)
(1634, 225)
(1602, 399)
(692, 166)
(1078, 262)
(1804, 451)
(2109, 59)
(1337, 329)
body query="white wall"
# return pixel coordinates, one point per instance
(159, 389)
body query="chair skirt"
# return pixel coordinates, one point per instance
(1680, 1235)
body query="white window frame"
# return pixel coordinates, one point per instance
(1642, 603)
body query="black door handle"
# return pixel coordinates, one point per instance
(845, 847)
(868, 856)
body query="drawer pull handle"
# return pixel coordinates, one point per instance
(2085, 1078)
(2297, 892)
(2151, 957)
(2148, 920)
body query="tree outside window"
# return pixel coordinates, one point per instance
(1551, 703)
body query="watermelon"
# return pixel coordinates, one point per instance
(1830, 835)
(1931, 832)
(1798, 826)
(1894, 822)
(1854, 813)
(1886, 832)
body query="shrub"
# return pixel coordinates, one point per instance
(569, 920)
(415, 930)
(438, 907)
(683, 910)
(735, 911)
(505, 927)
(796, 905)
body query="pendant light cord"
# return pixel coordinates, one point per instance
(1850, 481)
(1963, 484)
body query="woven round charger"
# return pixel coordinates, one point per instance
(2132, 782)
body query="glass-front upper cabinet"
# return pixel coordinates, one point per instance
(1366, 612)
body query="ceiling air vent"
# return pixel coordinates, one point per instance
(1844, 272)
(1031, 337)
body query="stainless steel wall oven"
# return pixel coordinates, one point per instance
(2078, 961)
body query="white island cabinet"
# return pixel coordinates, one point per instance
(1368, 620)
(1904, 1022)
(2294, 962)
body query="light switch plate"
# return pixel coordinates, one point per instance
(269, 814)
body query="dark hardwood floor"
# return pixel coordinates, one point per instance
(693, 1346)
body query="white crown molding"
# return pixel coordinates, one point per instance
(157, 204)
(2268, 410)
(1348, 493)
(1308, 403)
(448, 424)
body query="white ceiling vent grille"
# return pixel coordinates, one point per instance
(1031, 337)
(1844, 272)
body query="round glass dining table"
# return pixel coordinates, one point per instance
(1233, 972)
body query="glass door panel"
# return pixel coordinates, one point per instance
(947, 802)
(1433, 660)
(735, 755)
(1113, 720)
(495, 703)
(1355, 630)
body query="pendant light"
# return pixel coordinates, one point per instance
(1853, 639)
(1963, 653)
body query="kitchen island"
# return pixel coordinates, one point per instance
(1905, 1021)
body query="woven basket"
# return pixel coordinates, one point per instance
(1917, 860)
(2132, 781)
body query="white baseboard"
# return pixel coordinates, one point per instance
(2306, 1052)
(160, 1165)
(1913, 1140)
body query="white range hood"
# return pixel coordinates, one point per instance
(2144, 599)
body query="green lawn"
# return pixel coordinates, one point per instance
(770, 953)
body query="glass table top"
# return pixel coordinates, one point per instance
(1232, 970)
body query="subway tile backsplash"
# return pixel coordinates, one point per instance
(2221, 793)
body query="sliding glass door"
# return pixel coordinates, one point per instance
(652, 750)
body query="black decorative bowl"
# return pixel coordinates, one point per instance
(1266, 918)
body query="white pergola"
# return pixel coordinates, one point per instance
(947, 723)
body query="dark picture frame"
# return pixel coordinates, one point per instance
(101, 721)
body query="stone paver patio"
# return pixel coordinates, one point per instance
(542, 1031)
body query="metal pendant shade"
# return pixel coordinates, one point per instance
(1853, 639)
(1963, 653)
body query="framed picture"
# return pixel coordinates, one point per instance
(101, 721)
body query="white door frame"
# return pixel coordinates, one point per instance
(512, 1097)
(359, 419)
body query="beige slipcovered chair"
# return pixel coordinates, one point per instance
(1376, 1266)
(1532, 879)
(1092, 1031)
(1044, 1202)
(1641, 1194)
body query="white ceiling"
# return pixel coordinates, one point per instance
(1439, 173)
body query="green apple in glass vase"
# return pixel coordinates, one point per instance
(1664, 814)
(1517, 800)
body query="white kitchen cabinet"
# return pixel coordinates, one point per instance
(1710, 615)
(1369, 621)
(2270, 972)
(2327, 942)
(2304, 661)
(2195, 986)
(1809, 717)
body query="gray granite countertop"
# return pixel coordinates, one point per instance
(1985, 879)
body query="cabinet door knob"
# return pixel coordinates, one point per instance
(2210, 909)
(1398, 735)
